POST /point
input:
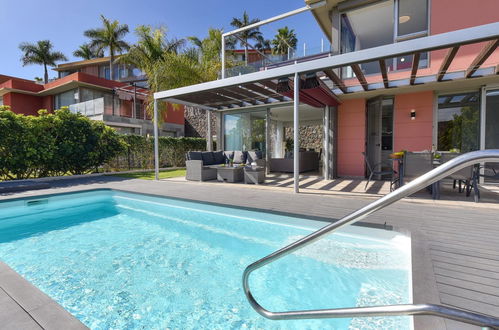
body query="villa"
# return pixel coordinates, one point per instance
(402, 81)
(85, 87)
(402, 93)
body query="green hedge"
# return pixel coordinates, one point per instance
(53, 144)
(139, 153)
(64, 143)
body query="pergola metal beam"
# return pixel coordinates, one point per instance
(424, 44)
(414, 69)
(384, 73)
(360, 76)
(336, 80)
(447, 62)
(482, 57)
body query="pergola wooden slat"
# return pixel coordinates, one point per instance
(482, 57)
(336, 80)
(446, 62)
(360, 76)
(414, 69)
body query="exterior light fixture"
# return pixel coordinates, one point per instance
(404, 19)
(413, 114)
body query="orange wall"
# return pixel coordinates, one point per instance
(413, 135)
(22, 103)
(450, 15)
(174, 115)
(351, 137)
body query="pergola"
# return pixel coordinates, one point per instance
(318, 79)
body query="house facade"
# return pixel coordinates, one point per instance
(409, 75)
(85, 87)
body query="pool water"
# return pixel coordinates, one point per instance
(119, 260)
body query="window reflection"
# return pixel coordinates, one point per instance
(459, 122)
(245, 131)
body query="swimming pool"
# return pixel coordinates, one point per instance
(122, 260)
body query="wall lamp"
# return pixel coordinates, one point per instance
(413, 114)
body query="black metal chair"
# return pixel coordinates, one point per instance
(373, 171)
(489, 172)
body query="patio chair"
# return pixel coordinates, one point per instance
(373, 171)
(488, 171)
(416, 164)
(464, 175)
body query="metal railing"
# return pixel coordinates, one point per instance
(423, 181)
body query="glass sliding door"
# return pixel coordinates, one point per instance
(492, 126)
(245, 131)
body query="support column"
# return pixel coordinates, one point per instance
(333, 142)
(326, 141)
(267, 141)
(156, 141)
(220, 137)
(209, 136)
(296, 133)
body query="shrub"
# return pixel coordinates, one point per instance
(54, 144)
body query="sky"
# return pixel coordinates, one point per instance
(63, 23)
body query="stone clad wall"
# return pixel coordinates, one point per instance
(196, 123)
(311, 136)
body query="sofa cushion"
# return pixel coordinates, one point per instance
(253, 156)
(219, 157)
(228, 155)
(194, 155)
(239, 157)
(208, 158)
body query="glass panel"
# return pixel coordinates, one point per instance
(459, 122)
(412, 16)
(245, 131)
(66, 99)
(492, 120)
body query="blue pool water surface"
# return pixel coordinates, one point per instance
(119, 260)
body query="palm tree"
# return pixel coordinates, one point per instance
(87, 53)
(110, 37)
(284, 40)
(245, 36)
(41, 53)
(210, 47)
(262, 43)
(152, 46)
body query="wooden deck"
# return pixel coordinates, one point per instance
(455, 259)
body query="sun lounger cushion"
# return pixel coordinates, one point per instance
(219, 157)
(208, 158)
(194, 155)
(239, 157)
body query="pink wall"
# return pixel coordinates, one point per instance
(413, 135)
(351, 137)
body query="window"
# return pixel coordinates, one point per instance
(459, 122)
(1, 100)
(412, 18)
(66, 99)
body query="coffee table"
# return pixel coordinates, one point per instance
(229, 173)
(254, 175)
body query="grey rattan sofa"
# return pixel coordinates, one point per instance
(199, 164)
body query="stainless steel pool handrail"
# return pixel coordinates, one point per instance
(423, 181)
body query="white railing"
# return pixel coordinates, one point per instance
(89, 108)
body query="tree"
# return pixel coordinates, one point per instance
(87, 53)
(284, 39)
(211, 46)
(109, 37)
(262, 43)
(41, 53)
(245, 36)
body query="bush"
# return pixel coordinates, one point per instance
(54, 144)
(140, 152)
